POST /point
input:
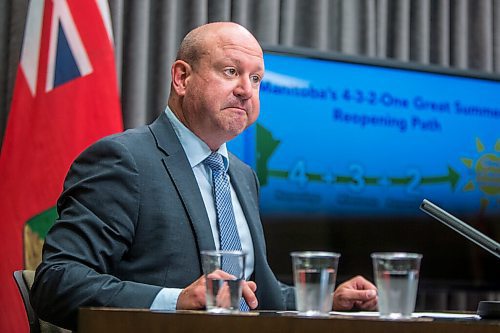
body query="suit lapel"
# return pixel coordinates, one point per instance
(179, 170)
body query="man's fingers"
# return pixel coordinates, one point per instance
(248, 287)
(219, 274)
(252, 285)
(346, 299)
(361, 283)
(367, 295)
(370, 305)
(248, 293)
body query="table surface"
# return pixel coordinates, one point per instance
(98, 320)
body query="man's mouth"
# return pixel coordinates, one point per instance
(237, 107)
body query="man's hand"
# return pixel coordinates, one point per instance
(356, 293)
(193, 296)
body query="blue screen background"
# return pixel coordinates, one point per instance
(346, 139)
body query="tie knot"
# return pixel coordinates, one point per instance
(215, 162)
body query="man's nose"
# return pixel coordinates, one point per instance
(244, 89)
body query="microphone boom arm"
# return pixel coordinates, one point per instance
(461, 227)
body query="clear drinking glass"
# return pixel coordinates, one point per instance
(314, 276)
(396, 276)
(223, 295)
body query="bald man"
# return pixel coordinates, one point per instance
(137, 207)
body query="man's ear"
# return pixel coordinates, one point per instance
(181, 71)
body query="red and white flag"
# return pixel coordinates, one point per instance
(65, 98)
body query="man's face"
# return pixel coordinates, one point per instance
(222, 93)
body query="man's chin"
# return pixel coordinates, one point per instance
(234, 131)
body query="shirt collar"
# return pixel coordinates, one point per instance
(196, 149)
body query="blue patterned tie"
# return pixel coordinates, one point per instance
(228, 232)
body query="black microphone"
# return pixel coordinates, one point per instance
(486, 309)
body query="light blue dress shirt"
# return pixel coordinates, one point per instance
(197, 151)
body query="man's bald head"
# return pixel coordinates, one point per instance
(197, 42)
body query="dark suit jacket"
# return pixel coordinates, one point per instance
(132, 220)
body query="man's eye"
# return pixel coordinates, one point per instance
(230, 71)
(255, 79)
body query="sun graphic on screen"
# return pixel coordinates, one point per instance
(485, 171)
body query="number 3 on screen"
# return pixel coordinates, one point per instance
(358, 180)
